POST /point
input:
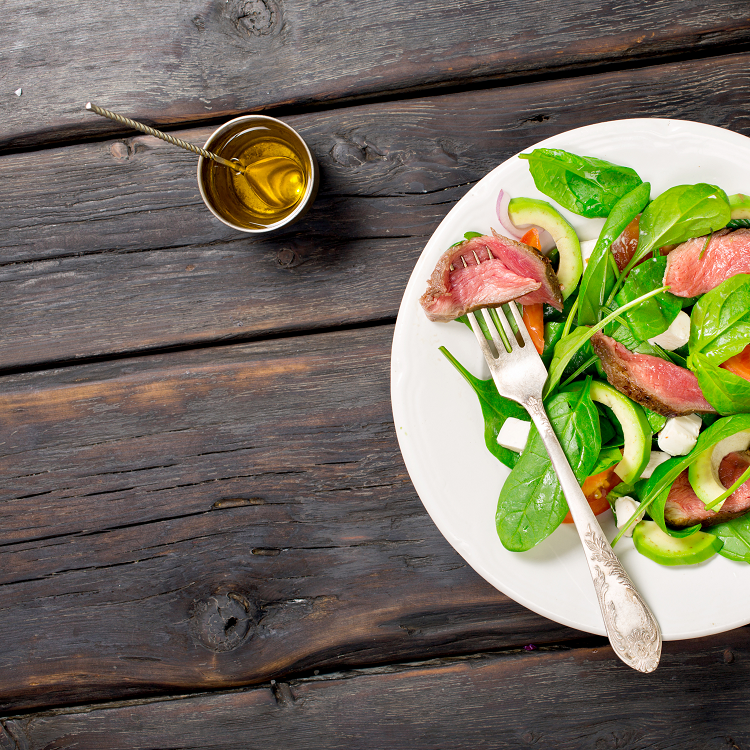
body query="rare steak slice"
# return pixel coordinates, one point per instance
(695, 267)
(661, 386)
(487, 272)
(528, 261)
(684, 508)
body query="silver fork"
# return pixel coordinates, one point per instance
(520, 375)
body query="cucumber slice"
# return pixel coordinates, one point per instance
(652, 542)
(703, 473)
(739, 205)
(635, 428)
(523, 211)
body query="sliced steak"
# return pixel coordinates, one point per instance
(694, 268)
(683, 507)
(487, 272)
(661, 386)
(528, 261)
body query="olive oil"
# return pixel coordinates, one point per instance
(279, 174)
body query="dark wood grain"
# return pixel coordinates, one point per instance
(107, 249)
(577, 699)
(135, 493)
(202, 59)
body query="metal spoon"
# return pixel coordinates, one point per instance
(283, 177)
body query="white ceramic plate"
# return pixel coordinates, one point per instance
(439, 422)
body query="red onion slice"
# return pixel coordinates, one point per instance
(503, 199)
(501, 208)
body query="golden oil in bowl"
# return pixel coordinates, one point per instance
(282, 177)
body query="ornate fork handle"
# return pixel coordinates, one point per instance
(631, 627)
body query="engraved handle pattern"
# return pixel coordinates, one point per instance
(631, 627)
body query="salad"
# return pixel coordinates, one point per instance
(646, 337)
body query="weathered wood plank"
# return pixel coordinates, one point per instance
(580, 699)
(134, 493)
(202, 59)
(106, 248)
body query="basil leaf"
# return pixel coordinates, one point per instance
(531, 503)
(736, 537)
(584, 185)
(495, 410)
(726, 392)
(655, 315)
(680, 213)
(720, 320)
(600, 275)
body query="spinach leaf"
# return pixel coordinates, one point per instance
(720, 320)
(584, 185)
(601, 271)
(608, 456)
(719, 329)
(467, 236)
(675, 357)
(678, 214)
(726, 392)
(552, 334)
(611, 429)
(570, 344)
(736, 537)
(656, 489)
(495, 410)
(654, 315)
(656, 421)
(531, 504)
(622, 334)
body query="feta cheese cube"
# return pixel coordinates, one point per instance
(625, 506)
(680, 434)
(513, 434)
(657, 457)
(676, 335)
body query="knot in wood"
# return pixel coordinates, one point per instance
(288, 258)
(257, 17)
(224, 621)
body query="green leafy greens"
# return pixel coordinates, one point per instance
(654, 315)
(682, 212)
(531, 504)
(656, 489)
(719, 329)
(495, 410)
(601, 271)
(584, 185)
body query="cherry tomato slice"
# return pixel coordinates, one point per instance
(596, 488)
(739, 364)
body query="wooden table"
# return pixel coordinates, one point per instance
(208, 538)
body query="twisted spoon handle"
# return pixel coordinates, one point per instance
(631, 627)
(236, 166)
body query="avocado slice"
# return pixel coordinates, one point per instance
(524, 211)
(635, 428)
(703, 473)
(739, 205)
(652, 542)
